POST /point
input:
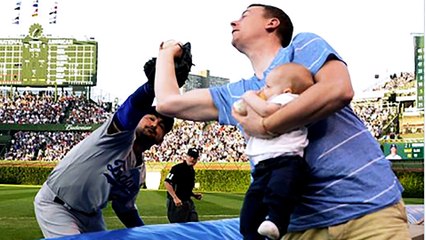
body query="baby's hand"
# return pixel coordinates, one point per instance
(261, 94)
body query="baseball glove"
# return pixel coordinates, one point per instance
(183, 66)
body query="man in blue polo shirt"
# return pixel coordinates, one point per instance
(351, 193)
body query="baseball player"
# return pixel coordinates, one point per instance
(179, 184)
(106, 166)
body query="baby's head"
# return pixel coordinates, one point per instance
(287, 78)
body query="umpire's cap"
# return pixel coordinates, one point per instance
(168, 121)
(193, 152)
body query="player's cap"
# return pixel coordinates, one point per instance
(193, 152)
(168, 121)
(393, 145)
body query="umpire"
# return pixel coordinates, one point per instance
(179, 184)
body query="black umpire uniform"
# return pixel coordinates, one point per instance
(179, 184)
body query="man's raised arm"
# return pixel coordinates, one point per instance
(196, 105)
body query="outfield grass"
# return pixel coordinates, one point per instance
(17, 220)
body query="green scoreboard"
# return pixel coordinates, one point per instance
(407, 150)
(36, 60)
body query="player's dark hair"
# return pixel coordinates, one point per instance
(285, 29)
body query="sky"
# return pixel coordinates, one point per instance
(372, 36)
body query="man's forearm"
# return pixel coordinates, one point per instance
(170, 190)
(195, 105)
(331, 93)
(165, 79)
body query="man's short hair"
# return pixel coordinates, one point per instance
(285, 29)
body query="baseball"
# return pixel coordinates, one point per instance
(240, 107)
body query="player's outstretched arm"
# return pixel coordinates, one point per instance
(194, 105)
(128, 216)
(133, 109)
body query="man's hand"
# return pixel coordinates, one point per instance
(251, 123)
(240, 106)
(177, 202)
(172, 47)
(182, 61)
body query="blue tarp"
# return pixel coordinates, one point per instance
(206, 230)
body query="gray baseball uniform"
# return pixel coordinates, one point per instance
(102, 167)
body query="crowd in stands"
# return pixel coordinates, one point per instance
(44, 108)
(217, 143)
(47, 146)
(29, 108)
(403, 80)
(376, 115)
(381, 116)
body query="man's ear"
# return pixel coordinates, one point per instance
(272, 24)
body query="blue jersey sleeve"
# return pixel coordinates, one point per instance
(134, 108)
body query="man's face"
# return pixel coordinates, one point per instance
(151, 127)
(190, 161)
(394, 151)
(249, 27)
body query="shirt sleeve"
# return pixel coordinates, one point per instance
(171, 176)
(224, 96)
(312, 51)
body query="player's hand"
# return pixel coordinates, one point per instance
(177, 201)
(198, 196)
(251, 123)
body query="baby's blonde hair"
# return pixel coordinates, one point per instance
(296, 76)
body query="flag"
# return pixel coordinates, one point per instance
(35, 5)
(35, 13)
(52, 20)
(18, 5)
(53, 13)
(17, 8)
(16, 20)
